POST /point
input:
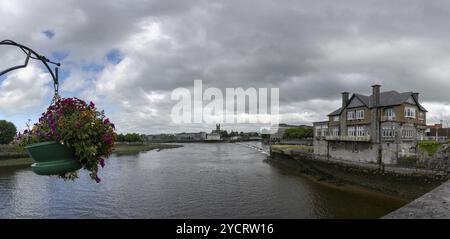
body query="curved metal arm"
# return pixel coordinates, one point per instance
(33, 55)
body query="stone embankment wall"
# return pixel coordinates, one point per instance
(308, 142)
(11, 152)
(408, 183)
(430, 155)
(423, 155)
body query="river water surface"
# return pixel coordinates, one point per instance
(218, 180)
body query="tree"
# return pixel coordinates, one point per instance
(298, 133)
(129, 137)
(224, 134)
(7, 132)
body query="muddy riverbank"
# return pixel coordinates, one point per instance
(407, 185)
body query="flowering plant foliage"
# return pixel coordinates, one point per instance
(78, 125)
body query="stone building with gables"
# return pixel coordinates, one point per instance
(377, 128)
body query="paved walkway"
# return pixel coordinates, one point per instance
(435, 204)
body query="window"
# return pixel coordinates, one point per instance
(387, 131)
(389, 113)
(408, 132)
(318, 131)
(359, 114)
(351, 131)
(350, 115)
(360, 131)
(336, 118)
(325, 130)
(410, 112)
(335, 131)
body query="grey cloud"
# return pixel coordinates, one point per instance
(312, 50)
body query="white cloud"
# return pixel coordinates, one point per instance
(311, 54)
(24, 90)
(437, 112)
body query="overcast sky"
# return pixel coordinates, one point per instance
(128, 56)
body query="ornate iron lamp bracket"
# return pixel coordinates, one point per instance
(31, 54)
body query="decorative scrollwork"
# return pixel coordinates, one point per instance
(31, 54)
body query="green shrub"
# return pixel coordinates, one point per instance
(298, 133)
(129, 137)
(431, 147)
(409, 160)
(7, 132)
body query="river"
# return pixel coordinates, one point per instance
(217, 180)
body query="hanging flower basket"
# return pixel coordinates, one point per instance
(69, 136)
(52, 158)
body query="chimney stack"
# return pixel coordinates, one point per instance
(344, 99)
(376, 95)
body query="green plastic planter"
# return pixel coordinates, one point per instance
(52, 158)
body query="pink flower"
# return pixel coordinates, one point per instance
(108, 139)
(102, 161)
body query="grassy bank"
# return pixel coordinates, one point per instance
(12, 156)
(11, 152)
(15, 162)
(306, 148)
(126, 149)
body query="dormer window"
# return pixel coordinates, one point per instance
(336, 118)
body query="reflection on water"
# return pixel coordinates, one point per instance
(197, 181)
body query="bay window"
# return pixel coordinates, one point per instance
(387, 131)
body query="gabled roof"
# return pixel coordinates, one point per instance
(336, 112)
(387, 98)
(293, 126)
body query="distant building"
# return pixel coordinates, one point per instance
(437, 133)
(214, 135)
(160, 137)
(190, 136)
(435, 126)
(380, 128)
